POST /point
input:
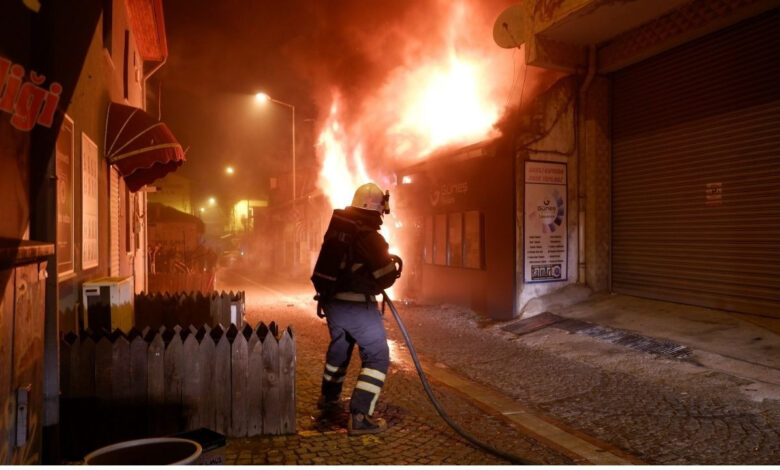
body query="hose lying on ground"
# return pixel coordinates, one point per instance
(509, 457)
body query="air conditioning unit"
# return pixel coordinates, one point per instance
(108, 303)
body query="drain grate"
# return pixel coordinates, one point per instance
(603, 333)
(625, 338)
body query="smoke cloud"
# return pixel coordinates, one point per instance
(307, 52)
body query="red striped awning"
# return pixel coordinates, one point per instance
(142, 148)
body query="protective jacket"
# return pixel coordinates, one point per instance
(354, 262)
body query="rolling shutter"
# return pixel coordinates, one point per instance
(113, 211)
(696, 172)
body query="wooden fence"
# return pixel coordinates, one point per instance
(193, 308)
(115, 387)
(176, 282)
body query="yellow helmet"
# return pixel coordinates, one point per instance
(370, 197)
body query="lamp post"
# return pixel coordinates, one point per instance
(262, 97)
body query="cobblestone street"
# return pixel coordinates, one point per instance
(660, 410)
(647, 408)
(416, 434)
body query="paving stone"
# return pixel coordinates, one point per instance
(652, 420)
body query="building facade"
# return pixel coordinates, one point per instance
(651, 167)
(68, 70)
(674, 158)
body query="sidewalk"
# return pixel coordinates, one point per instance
(717, 404)
(740, 345)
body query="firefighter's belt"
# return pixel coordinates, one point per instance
(354, 297)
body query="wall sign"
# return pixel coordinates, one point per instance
(444, 194)
(89, 203)
(26, 100)
(545, 238)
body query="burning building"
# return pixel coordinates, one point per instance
(457, 230)
(612, 165)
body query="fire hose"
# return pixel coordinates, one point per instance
(509, 457)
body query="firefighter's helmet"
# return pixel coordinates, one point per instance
(370, 197)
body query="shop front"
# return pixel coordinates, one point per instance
(456, 219)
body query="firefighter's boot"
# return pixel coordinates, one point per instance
(325, 403)
(360, 423)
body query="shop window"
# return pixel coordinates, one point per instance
(472, 234)
(428, 248)
(455, 239)
(440, 239)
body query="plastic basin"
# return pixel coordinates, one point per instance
(152, 451)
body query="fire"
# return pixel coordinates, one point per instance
(343, 168)
(449, 107)
(451, 95)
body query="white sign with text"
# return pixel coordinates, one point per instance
(89, 203)
(545, 240)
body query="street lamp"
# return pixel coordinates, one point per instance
(212, 201)
(262, 98)
(229, 170)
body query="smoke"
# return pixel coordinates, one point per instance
(368, 53)
(376, 57)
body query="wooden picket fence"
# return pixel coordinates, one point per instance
(175, 282)
(189, 308)
(239, 382)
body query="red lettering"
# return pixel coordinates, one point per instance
(12, 88)
(50, 105)
(5, 64)
(28, 106)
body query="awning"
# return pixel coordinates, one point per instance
(142, 148)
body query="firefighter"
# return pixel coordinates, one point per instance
(353, 267)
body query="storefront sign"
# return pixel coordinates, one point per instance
(545, 240)
(444, 194)
(27, 101)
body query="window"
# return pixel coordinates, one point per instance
(472, 234)
(454, 239)
(129, 221)
(428, 248)
(440, 239)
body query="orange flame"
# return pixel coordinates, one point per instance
(343, 168)
(451, 96)
(449, 107)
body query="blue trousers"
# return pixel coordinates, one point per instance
(358, 323)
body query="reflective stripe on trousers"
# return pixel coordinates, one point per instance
(358, 323)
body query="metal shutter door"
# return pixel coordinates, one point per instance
(706, 112)
(114, 218)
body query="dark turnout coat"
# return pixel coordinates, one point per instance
(354, 260)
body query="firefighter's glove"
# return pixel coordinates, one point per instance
(399, 265)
